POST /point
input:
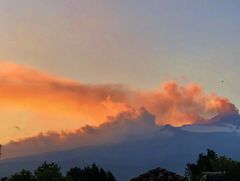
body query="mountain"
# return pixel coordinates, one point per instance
(226, 120)
(220, 123)
(170, 147)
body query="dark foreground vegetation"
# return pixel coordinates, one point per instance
(52, 172)
(208, 167)
(225, 168)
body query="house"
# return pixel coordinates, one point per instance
(159, 174)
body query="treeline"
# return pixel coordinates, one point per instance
(52, 172)
(210, 162)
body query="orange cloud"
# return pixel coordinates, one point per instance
(178, 105)
(109, 109)
(27, 89)
(24, 88)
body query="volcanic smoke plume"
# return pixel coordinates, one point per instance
(25, 88)
(113, 112)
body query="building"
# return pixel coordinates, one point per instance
(159, 174)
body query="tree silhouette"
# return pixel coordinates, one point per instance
(48, 172)
(4, 179)
(52, 172)
(24, 175)
(90, 173)
(75, 174)
(110, 176)
(211, 162)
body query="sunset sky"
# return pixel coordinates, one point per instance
(68, 63)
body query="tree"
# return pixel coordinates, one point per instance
(89, 173)
(211, 162)
(48, 172)
(110, 177)
(24, 175)
(3, 179)
(52, 172)
(103, 175)
(75, 174)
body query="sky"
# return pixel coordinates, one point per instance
(65, 64)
